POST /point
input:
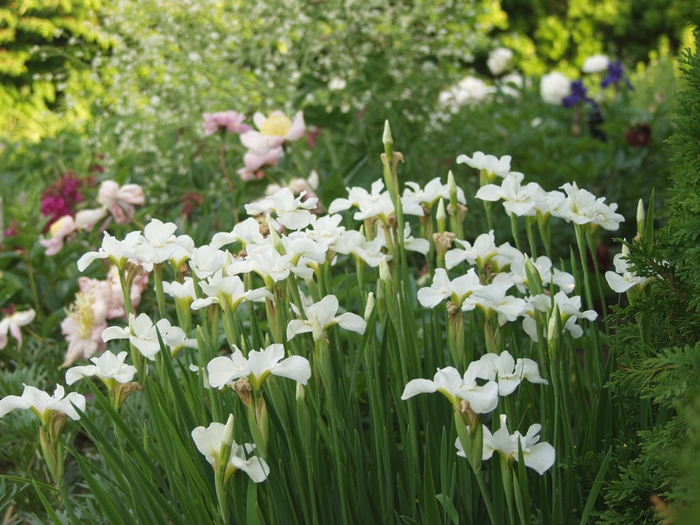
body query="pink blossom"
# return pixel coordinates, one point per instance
(265, 145)
(230, 121)
(120, 200)
(87, 319)
(255, 160)
(274, 131)
(59, 230)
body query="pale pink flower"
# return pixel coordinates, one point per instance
(58, 232)
(230, 121)
(255, 159)
(87, 319)
(86, 219)
(120, 200)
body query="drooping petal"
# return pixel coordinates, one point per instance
(9, 403)
(418, 386)
(78, 372)
(294, 367)
(352, 322)
(541, 457)
(255, 466)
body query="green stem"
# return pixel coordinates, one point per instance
(160, 296)
(514, 230)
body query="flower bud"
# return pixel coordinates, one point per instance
(451, 184)
(384, 273)
(441, 216)
(317, 328)
(223, 461)
(641, 219)
(369, 307)
(227, 437)
(534, 281)
(554, 330)
(387, 139)
(301, 392)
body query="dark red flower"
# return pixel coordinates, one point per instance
(638, 135)
(58, 199)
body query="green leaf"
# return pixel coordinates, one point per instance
(449, 507)
(595, 489)
(52, 513)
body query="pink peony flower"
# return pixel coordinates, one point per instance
(265, 145)
(230, 121)
(58, 231)
(87, 319)
(255, 160)
(120, 200)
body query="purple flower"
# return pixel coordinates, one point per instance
(615, 75)
(578, 94)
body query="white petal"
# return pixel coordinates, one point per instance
(294, 367)
(352, 322)
(78, 372)
(540, 458)
(222, 370)
(115, 332)
(297, 326)
(418, 386)
(11, 402)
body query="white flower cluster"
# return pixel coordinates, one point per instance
(502, 375)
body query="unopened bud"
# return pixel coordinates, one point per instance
(317, 328)
(641, 219)
(384, 273)
(387, 139)
(451, 184)
(369, 307)
(227, 437)
(554, 329)
(441, 216)
(301, 392)
(534, 281)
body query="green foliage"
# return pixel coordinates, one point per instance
(553, 34)
(46, 46)
(661, 362)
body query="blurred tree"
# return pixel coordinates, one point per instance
(45, 48)
(549, 33)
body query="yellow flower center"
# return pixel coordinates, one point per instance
(276, 125)
(56, 226)
(83, 315)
